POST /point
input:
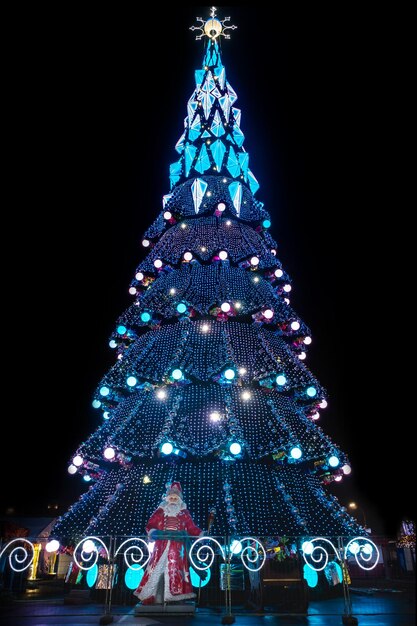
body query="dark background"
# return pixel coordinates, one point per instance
(95, 104)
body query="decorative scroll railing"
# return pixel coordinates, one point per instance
(251, 551)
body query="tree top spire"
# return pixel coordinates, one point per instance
(213, 27)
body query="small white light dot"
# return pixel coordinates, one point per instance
(157, 263)
(323, 404)
(205, 328)
(188, 256)
(225, 307)
(172, 291)
(167, 215)
(183, 225)
(221, 206)
(287, 288)
(302, 356)
(246, 395)
(242, 371)
(295, 325)
(268, 314)
(223, 255)
(77, 460)
(145, 243)
(132, 291)
(254, 261)
(228, 223)
(215, 416)
(278, 273)
(307, 340)
(161, 394)
(139, 276)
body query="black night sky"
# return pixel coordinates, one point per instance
(95, 104)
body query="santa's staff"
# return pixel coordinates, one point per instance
(210, 520)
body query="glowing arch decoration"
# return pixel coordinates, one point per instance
(86, 552)
(365, 552)
(135, 555)
(19, 558)
(252, 554)
(204, 553)
(316, 552)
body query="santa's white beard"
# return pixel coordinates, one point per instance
(172, 508)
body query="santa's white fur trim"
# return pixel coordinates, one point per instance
(150, 588)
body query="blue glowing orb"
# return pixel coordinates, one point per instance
(133, 577)
(92, 576)
(196, 581)
(310, 575)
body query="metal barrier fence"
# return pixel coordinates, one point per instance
(345, 576)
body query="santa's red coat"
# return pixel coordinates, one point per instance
(168, 559)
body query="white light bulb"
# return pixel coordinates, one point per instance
(188, 256)
(109, 453)
(167, 215)
(268, 314)
(278, 273)
(139, 276)
(225, 307)
(145, 243)
(52, 546)
(295, 325)
(254, 261)
(223, 255)
(157, 263)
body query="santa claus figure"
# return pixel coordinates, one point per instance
(167, 576)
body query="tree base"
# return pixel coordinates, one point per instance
(228, 619)
(106, 619)
(349, 620)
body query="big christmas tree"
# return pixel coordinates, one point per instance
(209, 387)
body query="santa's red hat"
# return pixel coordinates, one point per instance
(175, 487)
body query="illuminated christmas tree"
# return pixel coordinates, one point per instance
(209, 386)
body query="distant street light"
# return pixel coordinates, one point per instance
(355, 507)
